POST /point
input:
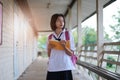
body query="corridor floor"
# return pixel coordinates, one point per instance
(37, 71)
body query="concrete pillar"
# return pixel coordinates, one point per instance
(69, 19)
(79, 20)
(100, 38)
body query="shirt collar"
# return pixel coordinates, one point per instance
(59, 34)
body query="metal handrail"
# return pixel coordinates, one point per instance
(112, 43)
(103, 52)
(89, 45)
(89, 50)
(111, 52)
(112, 62)
(91, 57)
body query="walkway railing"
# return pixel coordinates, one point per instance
(112, 49)
(110, 60)
(88, 53)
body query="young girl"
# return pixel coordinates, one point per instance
(60, 64)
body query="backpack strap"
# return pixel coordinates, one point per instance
(50, 36)
(67, 35)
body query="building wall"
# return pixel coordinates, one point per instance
(6, 49)
(18, 48)
(24, 42)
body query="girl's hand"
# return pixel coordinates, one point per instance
(63, 42)
(67, 50)
(50, 46)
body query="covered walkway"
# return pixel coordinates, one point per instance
(23, 21)
(38, 69)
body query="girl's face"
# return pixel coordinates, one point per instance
(60, 22)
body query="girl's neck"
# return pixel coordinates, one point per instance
(58, 31)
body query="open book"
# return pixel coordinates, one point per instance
(57, 44)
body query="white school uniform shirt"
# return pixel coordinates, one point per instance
(59, 60)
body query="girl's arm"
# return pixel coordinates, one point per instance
(50, 46)
(49, 51)
(67, 50)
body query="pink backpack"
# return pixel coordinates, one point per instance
(73, 57)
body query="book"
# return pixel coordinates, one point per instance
(57, 44)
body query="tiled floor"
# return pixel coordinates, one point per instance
(37, 71)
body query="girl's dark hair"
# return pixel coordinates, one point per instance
(53, 21)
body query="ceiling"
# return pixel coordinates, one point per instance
(42, 13)
(42, 10)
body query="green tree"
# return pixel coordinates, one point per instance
(116, 27)
(111, 58)
(75, 35)
(42, 42)
(89, 37)
(106, 36)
